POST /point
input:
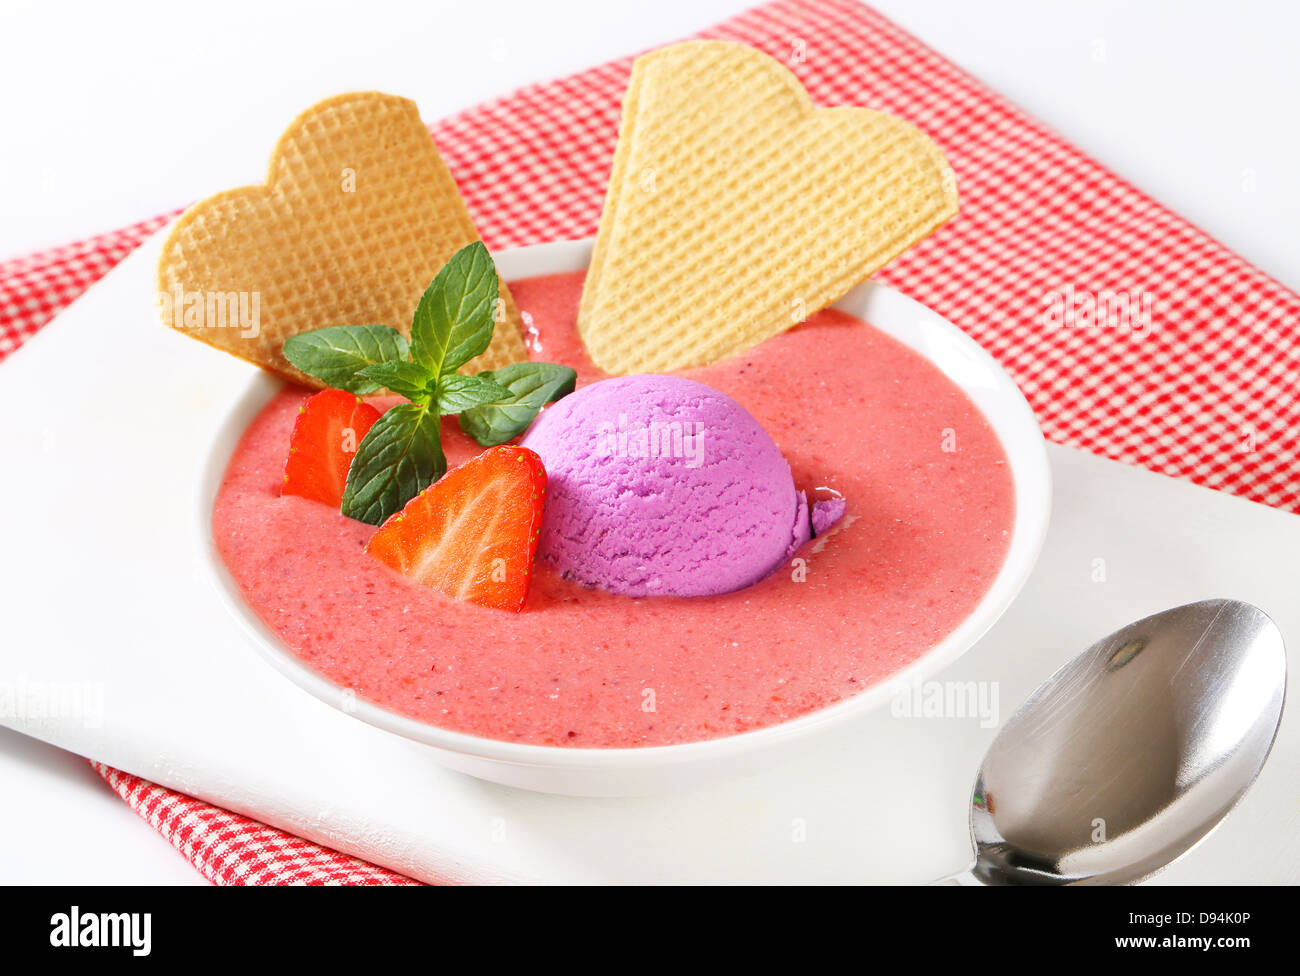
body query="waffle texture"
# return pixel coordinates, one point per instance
(358, 214)
(736, 209)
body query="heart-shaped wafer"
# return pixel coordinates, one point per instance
(357, 215)
(736, 209)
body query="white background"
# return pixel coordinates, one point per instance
(113, 113)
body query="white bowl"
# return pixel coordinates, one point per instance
(637, 771)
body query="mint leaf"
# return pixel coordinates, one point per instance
(405, 379)
(453, 321)
(336, 355)
(398, 459)
(457, 392)
(531, 386)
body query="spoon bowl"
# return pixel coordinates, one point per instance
(1133, 752)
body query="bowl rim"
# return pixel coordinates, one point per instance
(963, 360)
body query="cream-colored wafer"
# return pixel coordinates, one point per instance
(357, 215)
(735, 209)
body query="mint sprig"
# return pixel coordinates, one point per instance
(398, 459)
(401, 377)
(453, 322)
(531, 386)
(340, 354)
(457, 392)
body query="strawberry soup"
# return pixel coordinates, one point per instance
(929, 517)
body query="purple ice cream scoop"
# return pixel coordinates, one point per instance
(658, 485)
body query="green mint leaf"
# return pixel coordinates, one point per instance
(405, 379)
(338, 354)
(531, 386)
(454, 320)
(399, 458)
(457, 392)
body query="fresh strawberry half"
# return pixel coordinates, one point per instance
(329, 428)
(473, 533)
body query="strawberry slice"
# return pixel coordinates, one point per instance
(329, 428)
(473, 533)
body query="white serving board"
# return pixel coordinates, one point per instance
(104, 593)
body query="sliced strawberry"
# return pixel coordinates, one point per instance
(325, 438)
(473, 533)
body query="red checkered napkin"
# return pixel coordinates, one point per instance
(1045, 235)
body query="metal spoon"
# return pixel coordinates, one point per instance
(1128, 756)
